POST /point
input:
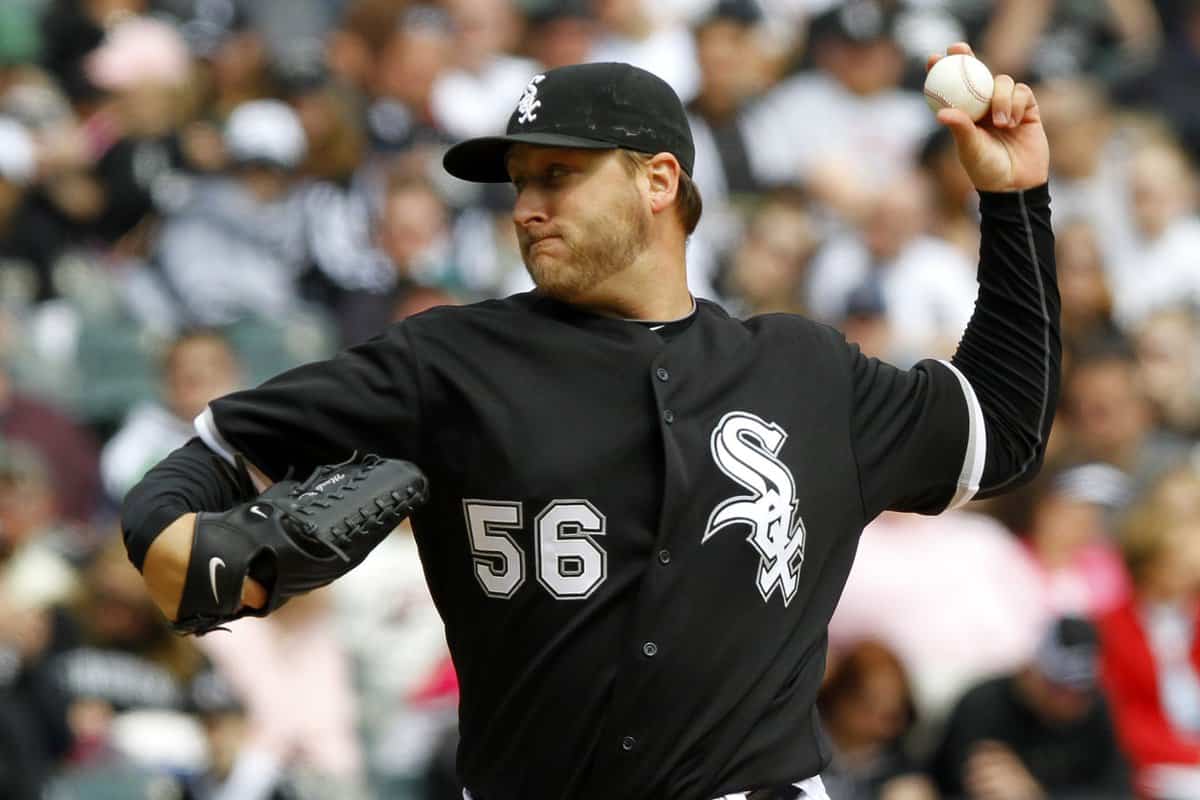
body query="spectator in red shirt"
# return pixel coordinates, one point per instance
(1151, 644)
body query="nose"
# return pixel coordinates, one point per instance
(530, 208)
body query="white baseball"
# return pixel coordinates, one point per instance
(962, 82)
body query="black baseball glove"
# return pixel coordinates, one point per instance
(294, 537)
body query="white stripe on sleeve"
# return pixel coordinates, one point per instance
(206, 428)
(973, 459)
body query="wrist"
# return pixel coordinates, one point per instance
(1003, 203)
(166, 564)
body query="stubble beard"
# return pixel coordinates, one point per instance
(603, 247)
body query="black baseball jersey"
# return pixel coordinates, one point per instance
(637, 537)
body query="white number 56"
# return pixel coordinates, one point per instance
(568, 561)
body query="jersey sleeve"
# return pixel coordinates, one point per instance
(364, 399)
(917, 436)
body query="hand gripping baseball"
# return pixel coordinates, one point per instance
(294, 537)
(1007, 149)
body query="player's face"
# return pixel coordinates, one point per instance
(580, 215)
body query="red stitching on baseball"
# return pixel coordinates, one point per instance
(932, 95)
(978, 95)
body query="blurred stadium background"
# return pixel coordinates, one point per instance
(196, 194)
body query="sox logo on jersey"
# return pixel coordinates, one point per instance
(746, 448)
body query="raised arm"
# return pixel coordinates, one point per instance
(1011, 351)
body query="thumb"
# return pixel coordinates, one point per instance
(253, 594)
(966, 135)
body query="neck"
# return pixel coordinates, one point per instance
(661, 303)
(653, 287)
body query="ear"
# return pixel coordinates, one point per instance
(662, 174)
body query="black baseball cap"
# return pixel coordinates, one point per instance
(599, 106)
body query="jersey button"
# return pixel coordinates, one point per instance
(628, 743)
(662, 374)
(650, 649)
(664, 557)
(669, 416)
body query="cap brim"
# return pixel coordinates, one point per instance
(482, 160)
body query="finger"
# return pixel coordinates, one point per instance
(960, 125)
(1022, 99)
(960, 48)
(933, 59)
(253, 594)
(969, 139)
(1002, 96)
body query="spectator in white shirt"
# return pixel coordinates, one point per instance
(849, 127)
(475, 96)
(733, 72)
(236, 245)
(199, 366)
(631, 33)
(1089, 161)
(928, 286)
(1162, 268)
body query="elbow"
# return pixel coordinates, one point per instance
(1026, 471)
(145, 513)
(1012, 461)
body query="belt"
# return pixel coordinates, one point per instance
(809, 789)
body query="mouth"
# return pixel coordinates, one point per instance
(542, 240)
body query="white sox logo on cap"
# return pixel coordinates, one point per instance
(529, 102)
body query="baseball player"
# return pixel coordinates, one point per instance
(641, 511)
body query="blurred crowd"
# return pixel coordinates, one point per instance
(197, 194)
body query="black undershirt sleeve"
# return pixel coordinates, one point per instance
(192, 478)
(1011, 351)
